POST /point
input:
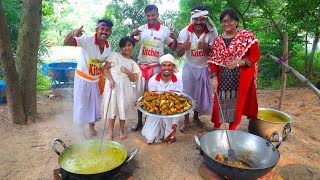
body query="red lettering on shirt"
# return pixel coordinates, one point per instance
(198, 53)
(150, 52)
(95, 70)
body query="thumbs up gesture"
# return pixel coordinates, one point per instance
(202, 44)
(78, 32)
(136, 31)
(187, 43)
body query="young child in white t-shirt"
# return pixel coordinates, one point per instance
(121, 70)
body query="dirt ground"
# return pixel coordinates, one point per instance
(26, 151)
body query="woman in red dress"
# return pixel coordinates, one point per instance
(234, 64)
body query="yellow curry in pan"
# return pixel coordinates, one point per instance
(272, 117)
(91, 160)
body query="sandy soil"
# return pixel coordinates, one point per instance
(26, 152)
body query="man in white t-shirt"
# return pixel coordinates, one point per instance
(153, 37)
(194, 42)
(88, 80)
(159, 129)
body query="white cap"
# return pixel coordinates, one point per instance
(169, 58)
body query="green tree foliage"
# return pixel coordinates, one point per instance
(125, 17)
(309, 26)
(12, 10)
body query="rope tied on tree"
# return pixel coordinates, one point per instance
(283, 59)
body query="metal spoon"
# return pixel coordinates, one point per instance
(232, 157)
(105, 122)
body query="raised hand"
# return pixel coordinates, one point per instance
(78, 32)
(187, 44)
(172, 35)
(202, 43)
(136, 31)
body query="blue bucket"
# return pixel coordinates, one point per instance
(60, 70)
(2, 88)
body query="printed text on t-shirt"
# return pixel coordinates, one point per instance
(95, 68)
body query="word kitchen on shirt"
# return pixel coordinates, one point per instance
(152, 43)
(90, 63)
(196, 57)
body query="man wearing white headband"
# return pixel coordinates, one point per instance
(88, 80)
(159, 129)
(194, 42)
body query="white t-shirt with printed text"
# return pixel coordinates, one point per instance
(195, 57)
(152, 43)
(91, 60)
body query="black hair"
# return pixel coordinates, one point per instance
(201, 8)
(231, 12)
(151, 7)
(123, 41)
(107, 21)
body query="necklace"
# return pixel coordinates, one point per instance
(231, 36)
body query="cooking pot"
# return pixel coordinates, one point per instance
(86, 161)
(259, 154)
(264, 128)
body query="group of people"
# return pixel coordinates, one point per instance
(219, 72)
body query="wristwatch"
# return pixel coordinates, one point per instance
(238, 63)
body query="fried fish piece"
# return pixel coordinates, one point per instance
(219, 158)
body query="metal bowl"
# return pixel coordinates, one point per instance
(265, 128)
(171, 115)
(252, 150)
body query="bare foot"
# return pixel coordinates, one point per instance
(136, 127)
(172, 140)
(198, 122)
(109, 136)
(93, 133)
(184, 129)
(123, 136)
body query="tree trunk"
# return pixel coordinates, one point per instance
(314, 47)
(13, 89)
(27, 54)
(284, 72)
(273, 21)
(306, 55)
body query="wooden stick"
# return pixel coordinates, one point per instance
(284, 73)
(174, 127)
(297, 74)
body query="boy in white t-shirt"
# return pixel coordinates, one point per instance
(153, 37)
(88, 80)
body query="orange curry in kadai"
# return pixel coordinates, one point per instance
(238, 164)
(165, 103)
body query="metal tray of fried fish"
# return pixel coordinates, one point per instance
(193, 106)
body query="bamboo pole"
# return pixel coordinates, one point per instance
(284, 73)
(297, 74)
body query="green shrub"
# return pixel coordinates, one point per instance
(43, 82)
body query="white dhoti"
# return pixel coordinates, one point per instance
(158, 129)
